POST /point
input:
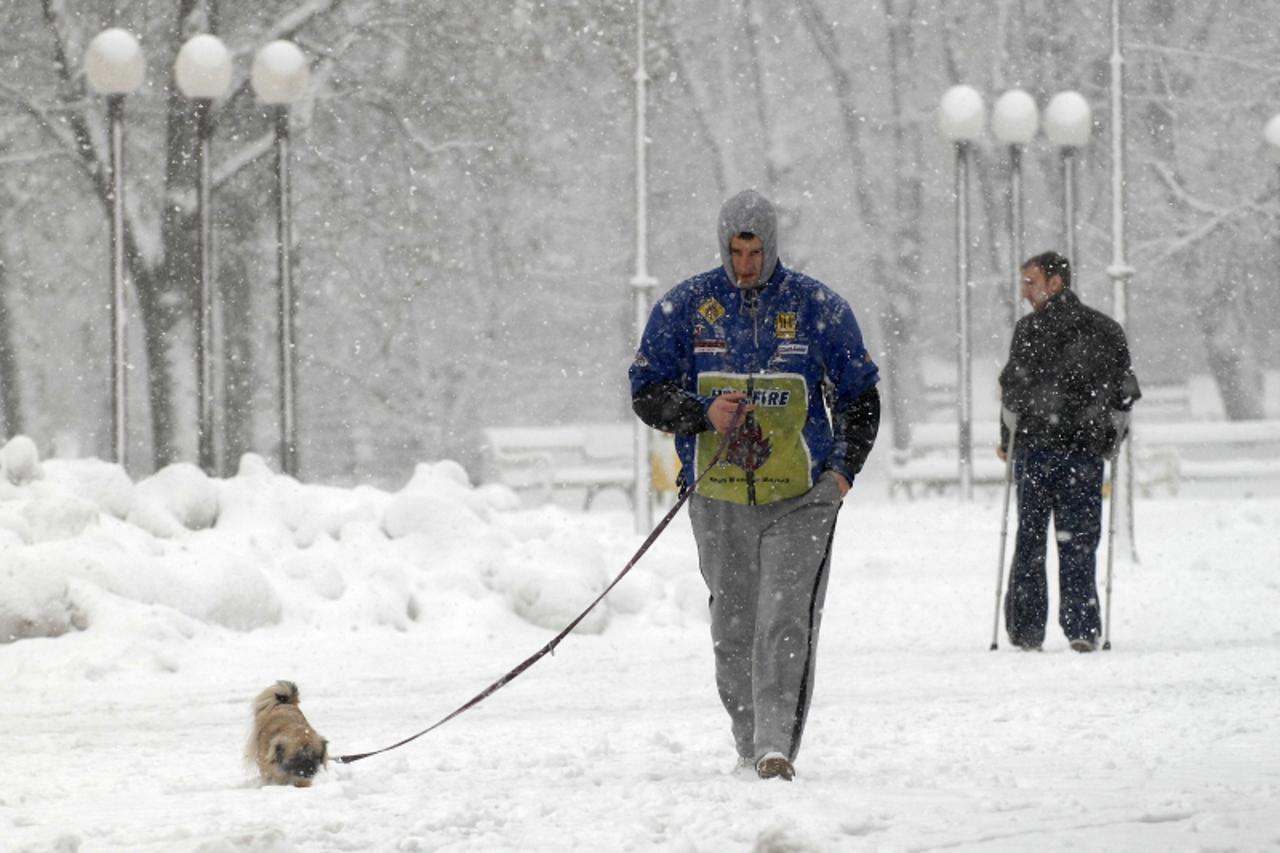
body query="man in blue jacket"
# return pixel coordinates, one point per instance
(770, 362)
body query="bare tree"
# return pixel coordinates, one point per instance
(891, 244)
(161, 222)
(10, 389)
(463, 215)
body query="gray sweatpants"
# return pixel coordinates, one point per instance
(766, 569)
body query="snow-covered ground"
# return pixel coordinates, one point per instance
(390, 609)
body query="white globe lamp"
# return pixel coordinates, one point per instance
(1068, 120)
(1015, 118)
(280, 73)
(203, 68)
(114, 63)
(962, 114)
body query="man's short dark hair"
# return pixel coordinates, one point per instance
(1051, 264)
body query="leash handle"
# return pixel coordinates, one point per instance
(734, 426)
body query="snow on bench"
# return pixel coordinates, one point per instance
(931, 465)
(1171, 454)
(1165, 454)
(589, 457)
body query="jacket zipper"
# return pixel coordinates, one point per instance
(752, 299)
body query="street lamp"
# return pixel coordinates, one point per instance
(1120, 273)
(1015, 120)
(642, 283)
(1068, 122)
(961, 117)
(1271, 135)
(203, 73)
(280, 75)
(115, 67)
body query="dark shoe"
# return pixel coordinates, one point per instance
(1084, 645)
(774, 765)
(1029, 647)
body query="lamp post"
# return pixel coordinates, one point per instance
(1120, 273)
(203, 73)
(961, 117)
(1068, 122)
(642, 283)
(115, 67)
(1122, 508)
(1271, 134)
(280, 75)
(1015, 120)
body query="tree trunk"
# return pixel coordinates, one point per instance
(238, 332)
(1229, 350)
(698, 103)
(1227, 346)
(775, 169)
(162, 348)
(901, 315)
(897, 327)
(752, 30)
(10, 396)
(173, 292)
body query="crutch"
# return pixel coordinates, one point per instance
(1004, 531)
(1111, 553)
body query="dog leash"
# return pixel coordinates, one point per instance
(735, 425)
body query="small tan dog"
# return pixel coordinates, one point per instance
(283, 744)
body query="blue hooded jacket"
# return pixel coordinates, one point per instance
(792, 343)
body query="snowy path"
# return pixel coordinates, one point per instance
(920, 738)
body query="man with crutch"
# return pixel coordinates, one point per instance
(1066, 393)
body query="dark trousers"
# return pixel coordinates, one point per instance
(1065, 486)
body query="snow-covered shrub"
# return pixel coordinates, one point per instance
(178, 497)
(20, 460)
(35, 603)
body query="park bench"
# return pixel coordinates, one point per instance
(1166, 454)
(931, 465)
(589, 458)
(1172, 454)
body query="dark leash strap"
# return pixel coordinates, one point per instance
(550, 647)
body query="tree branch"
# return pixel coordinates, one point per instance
(1219, 217)
(80, 141)
(64, 136)
(290, 23)
(1267, 69)
(1179, 192)
(418, 139)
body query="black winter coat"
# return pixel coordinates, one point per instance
(1068, 369)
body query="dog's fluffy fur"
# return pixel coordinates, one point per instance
(283, 744)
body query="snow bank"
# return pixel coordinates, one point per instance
(123, 729)
(82, 542)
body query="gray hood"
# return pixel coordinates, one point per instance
(749, 212)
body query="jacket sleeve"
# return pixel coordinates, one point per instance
(661, 395)
(1016, 377)
(851, 393)
(856, 427)
(668, 407)
(1125, 391)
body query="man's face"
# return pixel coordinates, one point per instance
(747, 256)
(1037, 289)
